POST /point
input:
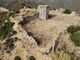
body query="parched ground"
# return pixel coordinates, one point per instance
(46, 30)
(43, 39)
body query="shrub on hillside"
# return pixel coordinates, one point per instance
(75, 37)
(75, 34)
(5, 24)
(73, 29)
(67, 11)
(17, 58)
(4, 30)
(4, 16)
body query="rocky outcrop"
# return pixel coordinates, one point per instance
(27, 45)
(3, 9)
(40, 39)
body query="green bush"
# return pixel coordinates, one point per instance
(12, 14)
(5, 27)
(5, 16)
(67, 11)
(17, 58)
(73, 29)
(4, 30)
(75, 37)
(75, 34)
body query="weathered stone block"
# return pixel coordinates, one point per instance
(43, 11)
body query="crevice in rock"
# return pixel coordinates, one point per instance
(35, 38)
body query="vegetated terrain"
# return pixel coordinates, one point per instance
(67, 11)
(75, 34)
(56, 38)
(6, 31)
(62, 23)
(5, 24)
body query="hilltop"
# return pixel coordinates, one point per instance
(23, 36)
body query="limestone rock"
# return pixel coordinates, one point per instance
(43, 11)
(3, 9)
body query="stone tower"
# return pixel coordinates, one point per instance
(43, 11)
